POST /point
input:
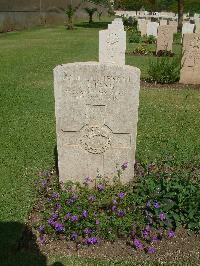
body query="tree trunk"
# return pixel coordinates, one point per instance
(91, 18)
(180, 14)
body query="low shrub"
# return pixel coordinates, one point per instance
(134, 38)
(143, 213)
(142, 50)
(164, 70)
(149, 39)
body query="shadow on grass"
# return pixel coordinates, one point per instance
(94, 25)
(18, 246)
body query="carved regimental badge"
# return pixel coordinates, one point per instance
(95, 139)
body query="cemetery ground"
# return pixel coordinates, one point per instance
(168, 126)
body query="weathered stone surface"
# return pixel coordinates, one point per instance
(112, 45)
(117, 24)
(190, 72)
(165, 39)
(163, 22)
(96, 119)
(152, 29)
(197, 26)
(142, 26)
(187, 28)
(174, 26)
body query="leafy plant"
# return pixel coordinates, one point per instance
(149, 39)
(164, 70)
(70, 12)
(143, 212)
(99, 14)
(90, 12)
(135, 37)
(142, 50)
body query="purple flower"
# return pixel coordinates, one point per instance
(55, 195)
(85, 214)
(67, 216)
(148, 228)
(42, 239)
(162, 216)
(148, 204)
(97, 222)
(171, 234)
(138, 244)
(121, 195)
(74, 236)
(114, 201)
(87, 231)
(91, 241)
(124, 165)
(59, 227)
(74, 218)
(54, 216)
(132, 233)
(120, 213)
(57, 206)
(87, 180)
(114, 208)
(51, 222)
(145, 233)
(156, 205)
(154, 239)
(41, 229)
(100, 187)
(151, 250)
(44, 182)
(91, 198)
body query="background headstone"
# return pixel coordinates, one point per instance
(174, 26)
(96, 119)
(187, 28)
(152, 29)
(163, 22)
(165, 39)
(142, 26)
(112, 44)
(190, 72)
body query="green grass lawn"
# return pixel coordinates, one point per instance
(168, 119)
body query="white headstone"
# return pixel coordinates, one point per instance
(190, 72)
(112, 45)
(96, 119)
(187, 28)
(152, 29)
(165, 38)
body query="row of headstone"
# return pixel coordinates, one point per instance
(151, 28)
(96, 106)
(156, 15)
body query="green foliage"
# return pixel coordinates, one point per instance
(164, 70)
(159, 202)
(178, 194)
(90, 12)
(142, 50)
(149, 39)
(70, 12)
(134, 37)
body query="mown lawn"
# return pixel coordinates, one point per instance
(168, 118)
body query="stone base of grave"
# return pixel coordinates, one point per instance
(190, 76)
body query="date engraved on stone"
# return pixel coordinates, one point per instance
(95, 139)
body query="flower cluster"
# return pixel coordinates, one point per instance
(86, 214)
